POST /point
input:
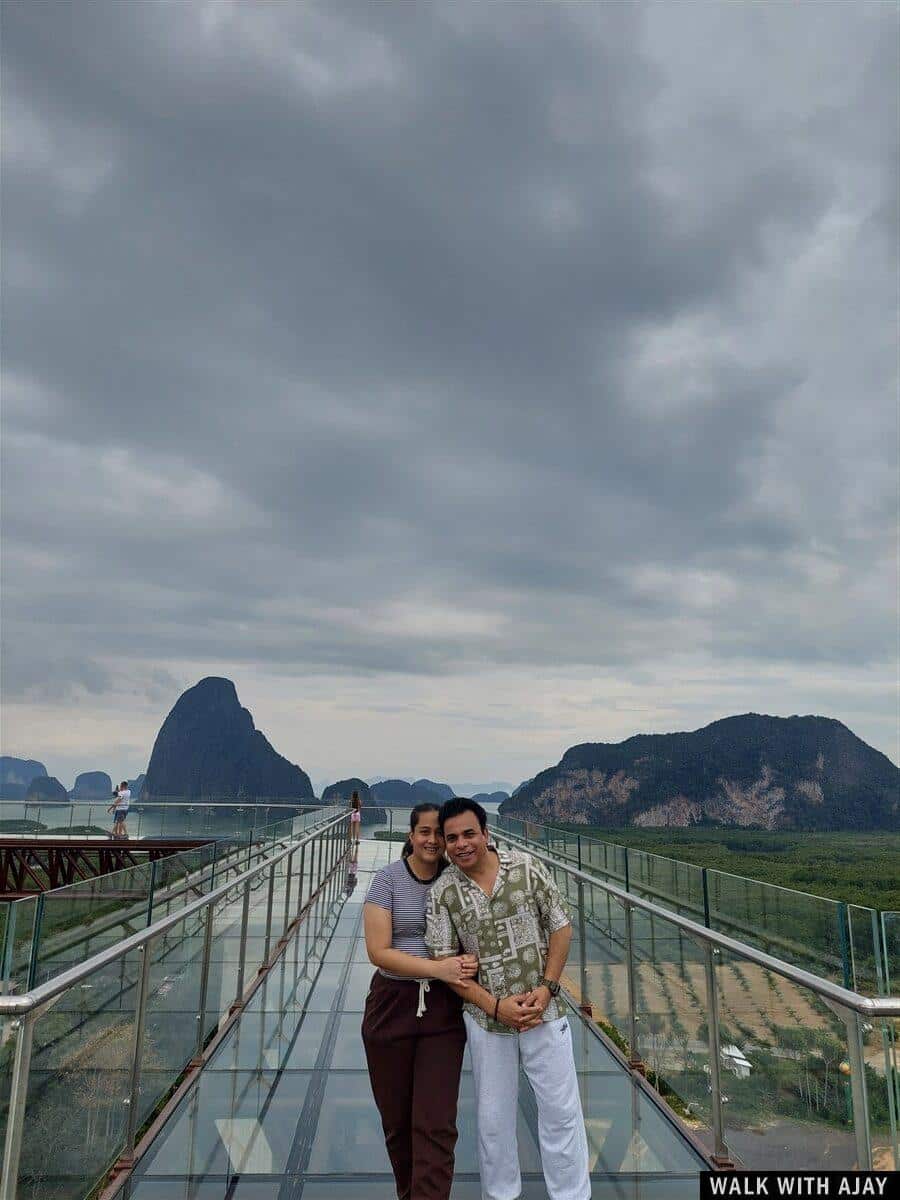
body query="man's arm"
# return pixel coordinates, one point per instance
(556, 922)
(557, 954)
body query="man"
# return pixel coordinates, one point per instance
(504, 907)
(119, 809)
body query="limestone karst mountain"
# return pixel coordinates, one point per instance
(397, 793)
(490, 797)
(209, 748)
(443, 791)
(340, 793)
(46, 787)
(16, 774)
(749, 770)
(92, 785)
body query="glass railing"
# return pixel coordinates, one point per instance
(770, 1065)
(45, 933)
(88, 1057)
(839, 941)
(173, 816)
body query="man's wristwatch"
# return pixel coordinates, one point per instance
(550, 984)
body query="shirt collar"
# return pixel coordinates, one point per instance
(505, 857)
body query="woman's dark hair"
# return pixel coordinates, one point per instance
(417, 812)
(459, 805)
(355, 801)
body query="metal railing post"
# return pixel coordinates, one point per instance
(153, 867)
(634, 1060)
(585, 1003)
(35, 942)
(204, 986)
(215, 859)
(18, 1096)
(843, 918)
(9, 941)
(721, 1155)
(287, 892)
(301, 878)
(858, 1090)
(140, 1018)
(242, 950)
(269, 902)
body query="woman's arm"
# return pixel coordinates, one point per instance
(377, 923)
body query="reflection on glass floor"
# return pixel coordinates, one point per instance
(284, 1109)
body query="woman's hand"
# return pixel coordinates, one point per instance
(459, 969)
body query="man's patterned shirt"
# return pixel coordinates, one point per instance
(509, 930)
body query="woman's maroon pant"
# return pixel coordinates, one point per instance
(414, 1066)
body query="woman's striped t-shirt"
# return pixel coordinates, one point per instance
(405, 897)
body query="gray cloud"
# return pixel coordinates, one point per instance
(463, 342)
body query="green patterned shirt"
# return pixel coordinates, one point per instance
(509, 930)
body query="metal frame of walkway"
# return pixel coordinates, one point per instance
(248, 1002)
(31, 865)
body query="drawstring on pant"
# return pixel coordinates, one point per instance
(424, 986)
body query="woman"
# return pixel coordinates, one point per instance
(413, 1029)
(355, 816)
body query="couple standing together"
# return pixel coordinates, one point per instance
(470, 950)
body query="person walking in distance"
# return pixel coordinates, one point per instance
(119, 809)
(413, 1029)
(355, 816)
(504, 908)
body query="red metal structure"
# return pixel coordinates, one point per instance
(29, 866)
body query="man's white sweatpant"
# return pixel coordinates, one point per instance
(548, 1061)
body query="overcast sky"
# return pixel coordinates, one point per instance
(462, 380)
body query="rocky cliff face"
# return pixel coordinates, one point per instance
(340, 793)
(46, 787)
(208, 748)
(16, 774)
(92, 785)
(751, 770)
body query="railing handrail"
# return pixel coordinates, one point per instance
(876, 1007)
(96, 800)
(766, 883)
(46, 992)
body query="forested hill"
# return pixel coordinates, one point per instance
(750, 770)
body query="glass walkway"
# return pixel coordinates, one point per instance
(283, 1110)
(193, 1033)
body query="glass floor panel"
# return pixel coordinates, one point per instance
(284, 1108)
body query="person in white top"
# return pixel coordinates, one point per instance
(119, 809)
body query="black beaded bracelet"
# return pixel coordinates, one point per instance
(496, 1008)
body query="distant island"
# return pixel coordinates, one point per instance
(749, 771)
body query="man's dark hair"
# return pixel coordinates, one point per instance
(459, 805)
